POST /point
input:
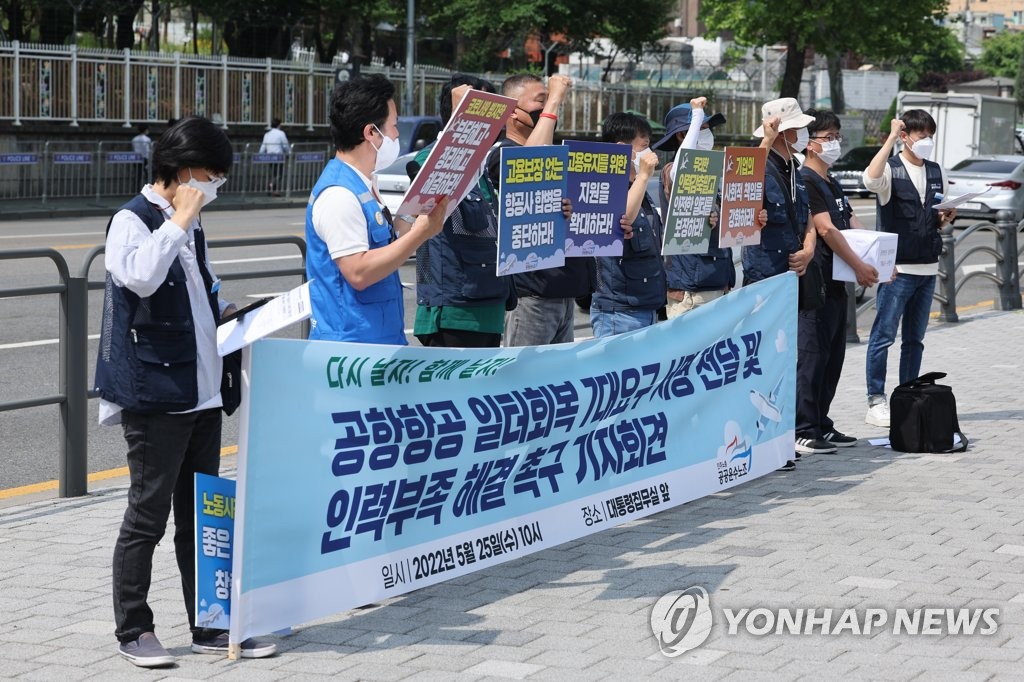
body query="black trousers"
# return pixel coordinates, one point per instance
(164, 451)
(460, 338)
(821, 351)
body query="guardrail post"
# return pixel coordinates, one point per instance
(73, 467)
(1009, 263)
(851, 313)
(177, 85)
(268, 96)
(310, 86)
(947, 276)
(224, 89)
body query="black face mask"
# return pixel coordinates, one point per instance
(534, 115)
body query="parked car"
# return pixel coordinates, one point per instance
(393, 181)
(1000, 176)
(849, 168)
(416, 132)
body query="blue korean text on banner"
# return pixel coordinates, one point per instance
(365, 472)
(215, 529)
(531, 226)
(598, 184)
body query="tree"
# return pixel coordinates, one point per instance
(942, 54)
(830, 27)
(1000, 54)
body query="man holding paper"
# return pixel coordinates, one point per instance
(354, 249)
(906, 188)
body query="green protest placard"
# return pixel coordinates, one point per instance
(697, 176)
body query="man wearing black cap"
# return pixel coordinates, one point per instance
(693, 280)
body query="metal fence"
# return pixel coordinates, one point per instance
(58, 83)
(47, 170)
(74, 343)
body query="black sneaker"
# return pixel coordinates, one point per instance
(814, 446)
(146, 652)
(251, 648)
(797, 456)
(840, 439)
(790, 465)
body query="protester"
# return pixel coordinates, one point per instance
(142, 144)
(460, 300)
(788, 238)
(693, 280)
(821, 343)
(159, 376)
(906, 188)
(631, 287)
(353, 253)
(546, 309)
(275, 142)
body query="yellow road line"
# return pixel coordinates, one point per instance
(92, 478)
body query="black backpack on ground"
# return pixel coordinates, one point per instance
(922, 416)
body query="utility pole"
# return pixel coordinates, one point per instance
(410, 54)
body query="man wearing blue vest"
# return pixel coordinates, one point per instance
(353, 248)
(159, 376)
(906, 188)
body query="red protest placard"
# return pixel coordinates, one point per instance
(455, 162)
(742, 196)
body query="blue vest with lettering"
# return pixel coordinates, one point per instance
(917, 225)
(340, 311)
(636, 279)
(147, 355)
(839, 212)
(784, 232)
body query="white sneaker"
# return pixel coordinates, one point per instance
(878, 414)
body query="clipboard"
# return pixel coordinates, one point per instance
(241, 312)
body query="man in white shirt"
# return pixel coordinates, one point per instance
(142, 145)
(275, 142)
(906, 188)
(159, 376)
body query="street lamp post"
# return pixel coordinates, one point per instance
(410, 50)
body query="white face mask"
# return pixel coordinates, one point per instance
(639, 155)
(802, 138)
(387, 152)
(923, 148)
(706, 139)
(830, 152)
(208, 188)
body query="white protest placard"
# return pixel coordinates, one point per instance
(877, 249)
(278, 313)
(957, 201)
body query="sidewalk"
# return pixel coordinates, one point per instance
(865, 528)
(34, 209)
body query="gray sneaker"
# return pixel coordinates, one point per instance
(250, 648)
(146, 652)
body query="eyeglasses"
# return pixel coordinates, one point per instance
(829, 138)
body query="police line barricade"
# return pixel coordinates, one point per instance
(121, 171)
(21, 175)
(365, 471)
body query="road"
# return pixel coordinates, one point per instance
(28, 326)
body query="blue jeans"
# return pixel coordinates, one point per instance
(909, 297)
(612, 322)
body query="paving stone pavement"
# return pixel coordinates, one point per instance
(864, 528)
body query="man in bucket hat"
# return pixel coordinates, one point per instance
(788, 239)
(693, 279)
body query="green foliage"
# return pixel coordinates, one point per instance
(886, 126)
(1001, 54)
(941, 53)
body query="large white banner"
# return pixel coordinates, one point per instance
(368, 471)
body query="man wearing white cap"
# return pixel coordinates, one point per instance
(788, 239)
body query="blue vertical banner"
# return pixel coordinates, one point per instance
(201, 92)
(100, 90)
(45, 88)
(365, 472)
(215, 529)
(246, 97)
(531, 226)
(289, 99)
(152, 93)
(598, 184)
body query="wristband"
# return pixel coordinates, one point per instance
(545, 114)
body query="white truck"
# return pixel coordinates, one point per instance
(968, 124)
